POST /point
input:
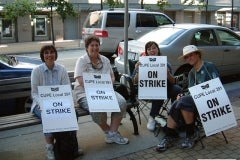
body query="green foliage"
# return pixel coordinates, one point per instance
(162, 4)
(114, 3)
(201, 3)
(64, 8)
(19, 8)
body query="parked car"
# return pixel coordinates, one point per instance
(222, 47)
(17, 66)
(108, 25)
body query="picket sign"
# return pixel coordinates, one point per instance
(100, 94)
(58, 113)
(214, 107)
(152, 80)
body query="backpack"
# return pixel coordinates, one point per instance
(66, 145)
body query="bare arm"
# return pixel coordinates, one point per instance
(170, 77)
(80, 80)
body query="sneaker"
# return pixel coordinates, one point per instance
(165, 143)
(115, 137)
(151, 124)
(190, 141)
(50, 153)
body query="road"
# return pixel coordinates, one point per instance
(67, 58)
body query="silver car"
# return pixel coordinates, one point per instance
(220, 45)
(108, 25)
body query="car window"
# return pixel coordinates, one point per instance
(93, 20)
(6, 60)
(204, 38)
(151, 20)
(227, 38)
(115, 20)
(146, 20)
(168, 35)
(162, 20)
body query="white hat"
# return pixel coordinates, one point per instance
(189, 49)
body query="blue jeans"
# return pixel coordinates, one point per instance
(173, 91)
(37, 113)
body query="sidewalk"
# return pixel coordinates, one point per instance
(30, 47)
(27, 143)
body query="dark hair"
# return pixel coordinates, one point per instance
(91, 38)
(47, 47)
(149, 44)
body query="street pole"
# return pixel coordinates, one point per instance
(53, 42)
(126, 66)
(232, 16)
(206, 12)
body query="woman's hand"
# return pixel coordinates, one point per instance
(137, 65)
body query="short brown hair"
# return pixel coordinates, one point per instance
(47, 47)
(91, 38)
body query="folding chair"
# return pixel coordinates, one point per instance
(199, 128)
(142, 104)
(126, 80)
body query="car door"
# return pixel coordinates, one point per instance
(212, 51)
(230, 47)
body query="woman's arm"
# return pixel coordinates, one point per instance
(170, 77)
(35, 82)
(80, 81)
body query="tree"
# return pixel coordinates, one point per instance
(142, 6)
(64, 8)
(162, 4)
(114, 3)
(19, 8)
(201, 4)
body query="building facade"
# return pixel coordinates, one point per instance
(38, 27)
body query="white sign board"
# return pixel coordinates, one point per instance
(214, 107)
(58, 113)
(152, 80)
(100, 94)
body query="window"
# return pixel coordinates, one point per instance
(115, 20)
(162, 20)
(204, 38)
(40, 26)
(6, 28)
(151, 20)
(146, 20)
(227, 38)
